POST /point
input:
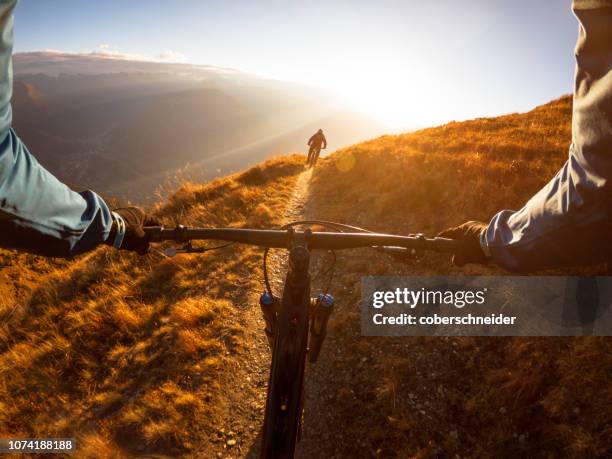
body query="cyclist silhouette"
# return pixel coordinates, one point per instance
(316, 143)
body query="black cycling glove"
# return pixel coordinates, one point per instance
(470, 251)
(134, 237)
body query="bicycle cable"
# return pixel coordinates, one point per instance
(209, 249)
(339, 227)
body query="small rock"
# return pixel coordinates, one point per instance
(231, 442)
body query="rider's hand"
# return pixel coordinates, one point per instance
(135, 238)
(470, 250)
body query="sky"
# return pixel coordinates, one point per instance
(406, 63)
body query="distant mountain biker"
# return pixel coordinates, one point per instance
(569, 221)
(38, 213)
(316, 143)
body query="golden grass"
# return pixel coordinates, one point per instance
(128, 353)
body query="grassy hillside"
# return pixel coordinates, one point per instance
(134, 353)
(438, 397)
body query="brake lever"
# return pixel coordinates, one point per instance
(403, 254)
(187, 248)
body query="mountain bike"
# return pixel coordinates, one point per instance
(295, 323)
(313, 156)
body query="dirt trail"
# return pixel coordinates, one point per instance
(295, 211)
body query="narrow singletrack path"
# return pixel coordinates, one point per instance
(295, 211)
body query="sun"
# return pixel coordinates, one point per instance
(392, 97)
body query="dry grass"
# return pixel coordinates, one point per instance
(438, 397)
(130, 353)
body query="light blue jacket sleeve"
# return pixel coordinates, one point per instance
(569, 221)
(38, 213)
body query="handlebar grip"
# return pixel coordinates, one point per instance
(442, 244)
(153, 233)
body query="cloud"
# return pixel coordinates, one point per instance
(106, 50)
(114, 54)
(56, 62)
(172, 56)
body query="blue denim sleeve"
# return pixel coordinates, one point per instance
(569, 221)
(38, 213)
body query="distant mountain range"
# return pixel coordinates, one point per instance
(124, 127)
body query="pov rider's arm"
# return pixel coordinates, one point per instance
(569, 221)
(38, 213)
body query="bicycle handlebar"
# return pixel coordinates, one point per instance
(315, 239)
